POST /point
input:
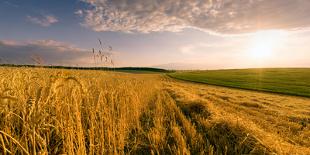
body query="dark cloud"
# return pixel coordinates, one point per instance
(52, 52)
(220, 16)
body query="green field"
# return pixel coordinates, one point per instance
(292, 81)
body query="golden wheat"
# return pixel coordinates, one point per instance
(54, 111)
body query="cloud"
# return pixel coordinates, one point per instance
(9, 3)
(52, 52)
(199, 48)
(44, 21)
(219, 16)
(79, 13)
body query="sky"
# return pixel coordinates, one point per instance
(172, 34)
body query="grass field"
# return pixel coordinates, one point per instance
(287, 81)
(58, 111)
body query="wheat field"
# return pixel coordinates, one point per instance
(56, 111)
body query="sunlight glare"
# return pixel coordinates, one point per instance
(264, 43)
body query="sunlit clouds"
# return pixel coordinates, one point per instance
(219, 16)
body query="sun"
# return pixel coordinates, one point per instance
(264, 43)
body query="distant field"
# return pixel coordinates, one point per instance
(294, 81)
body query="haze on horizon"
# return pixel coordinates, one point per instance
(174, 34)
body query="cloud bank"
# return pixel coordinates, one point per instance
(44, 21)
(50, 51)
(219, 16)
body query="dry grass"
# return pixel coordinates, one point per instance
(49, 111)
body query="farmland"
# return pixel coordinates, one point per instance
(59, 111)
(292, 81)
